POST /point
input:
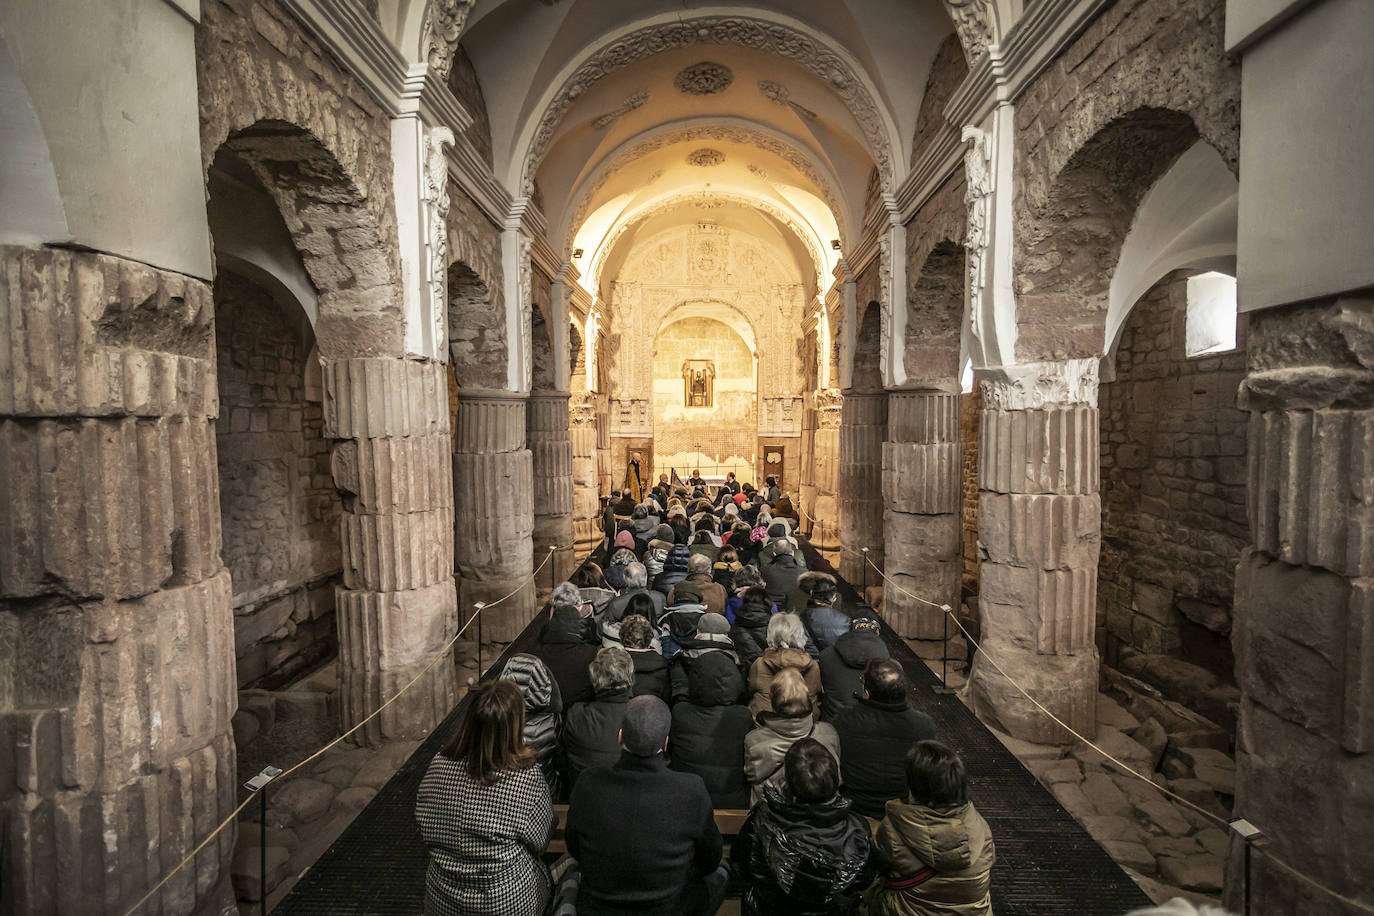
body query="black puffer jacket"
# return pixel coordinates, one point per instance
(651, 673)
(842, 670)
(750, 629)
(805, 859)
(674, 569)
(707, 736)
(543, 713)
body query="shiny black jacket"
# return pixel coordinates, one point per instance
(804, 859)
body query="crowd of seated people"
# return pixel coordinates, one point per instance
(714, 672)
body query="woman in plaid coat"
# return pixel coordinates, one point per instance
(485, 813)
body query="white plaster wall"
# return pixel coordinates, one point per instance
(113, 84)
(1307, 126)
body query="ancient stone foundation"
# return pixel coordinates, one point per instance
(116, 635)
(551, 449)
(1039, 520)
(494, 495)
(1304, 621)
(921, 496)
(863, 425)
(396, 608)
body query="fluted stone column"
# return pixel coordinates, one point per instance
(1039, 527)
(605, 473)
(586, 488)
(493, 479)
(552, 452)
(117, 679)
(397, 606)
(922, 492)
(863, 426)
(1304, 614)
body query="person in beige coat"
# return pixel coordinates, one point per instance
(790, 719)
(786, 649)
(935, 852)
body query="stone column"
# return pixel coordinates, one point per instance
(586, 481)
(863, 425)
(397, 606)
(921, 516)
(1039, 527)
(605, 473)
(117, 677)
(552, 452)
(1304, 612)
(493, 478)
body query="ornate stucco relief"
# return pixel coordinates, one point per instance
(978, 201)
(631, 103)
(436, 235)
(705, 78)
(444, 21)
(1033, 385)
(779, 93)
(973, 22)
(773, 38)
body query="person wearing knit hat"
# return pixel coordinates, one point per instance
(644, 836)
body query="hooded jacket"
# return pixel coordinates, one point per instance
(825, 624)
(767, 666)
(842, 670)
(809, 859)
(875, 737)
(678, 623)
(654, 557)
(749, 632)
(567, 654)
(651, 673)
(712, 593)
(723, 574)
(543, 712)
(591, 732)
(766, 746)
(616, 608)
(674, 569)
(955, 843)
(707, 736)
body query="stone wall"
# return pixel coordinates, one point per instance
(1173, 488)
(477, 311)
(462, 81)
(947, 71)
(935, 281)
(716, 439)
(278, 506)
(970, 416)
(1140, 85)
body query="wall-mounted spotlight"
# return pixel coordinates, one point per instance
(835, 243)
(577, 252)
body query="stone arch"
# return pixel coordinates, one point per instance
(935, 315)
(476, 330)
(947, 73)
(868, 375)
(1067, 254)
(336, 235)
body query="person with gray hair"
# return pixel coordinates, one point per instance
(699, 574)
(636, 577)
(786, 649)
(644, 836)
(590, 730)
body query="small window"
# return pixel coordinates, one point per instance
(966, 377)
(1211, 324)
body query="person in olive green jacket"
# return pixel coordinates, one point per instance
(935, 852)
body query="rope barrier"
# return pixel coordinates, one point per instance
(1224, 824)
(440, 656)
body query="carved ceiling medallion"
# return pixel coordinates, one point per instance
(705, 157)
(705, 78)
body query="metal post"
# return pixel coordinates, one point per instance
(865, 585)
(479, 606)
(259, 785)
(553, 569)
(943, 688)
(1252, 836)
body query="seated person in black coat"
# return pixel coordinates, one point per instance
(590, 730)
(644, 836)
(842, 666)
(803, 850)
(652, 677)
(708, 730)
(565, 647)
(875, 734)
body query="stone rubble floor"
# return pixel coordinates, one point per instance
(309, 810)
(1169, 849)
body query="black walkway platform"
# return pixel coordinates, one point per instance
(1047, 865)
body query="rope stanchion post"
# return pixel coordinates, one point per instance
(943, 688)
(553, 569)
(478, 607)
(258, 785)
(1253, 837)
(865, 575)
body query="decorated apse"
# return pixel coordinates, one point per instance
(706, 302)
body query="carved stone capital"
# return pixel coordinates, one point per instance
(1035, 385)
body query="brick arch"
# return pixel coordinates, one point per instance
(476, 330)
(336, 234)
(1067, 251)
(868, 374)
(935, 314)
